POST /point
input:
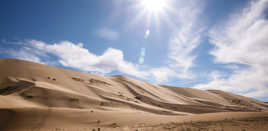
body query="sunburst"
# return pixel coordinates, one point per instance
(152, 11)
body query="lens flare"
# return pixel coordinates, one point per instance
(143, 51)
(141, 60)
(142, 55)
(147, 34)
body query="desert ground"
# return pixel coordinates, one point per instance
(37, 97)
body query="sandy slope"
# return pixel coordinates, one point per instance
(39, 97)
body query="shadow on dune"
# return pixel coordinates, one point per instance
(6, 115)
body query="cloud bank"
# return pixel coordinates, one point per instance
(76, 56)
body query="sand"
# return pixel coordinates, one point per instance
(43, 98)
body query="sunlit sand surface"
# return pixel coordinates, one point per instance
(36, 97)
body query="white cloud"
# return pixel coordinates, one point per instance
(25, 54)
(162, 74)
(250, 82)
(75, 56)
(108, 34)
(243, 40)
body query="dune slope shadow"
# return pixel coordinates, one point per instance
(5, 116)
(15, 86)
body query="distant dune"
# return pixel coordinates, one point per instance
(40, 97)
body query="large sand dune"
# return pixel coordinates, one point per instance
(39, 97)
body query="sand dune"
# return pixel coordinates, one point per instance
(39, 97)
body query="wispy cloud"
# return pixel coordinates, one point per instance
(108, 34)
(243, 40)
(186, 37)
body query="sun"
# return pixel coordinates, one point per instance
(154, 6)
(152, 13)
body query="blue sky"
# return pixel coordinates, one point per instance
(205, 44)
